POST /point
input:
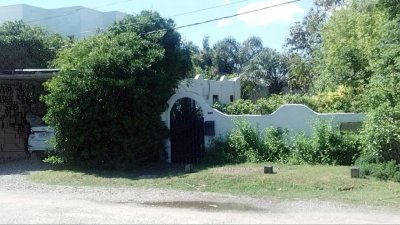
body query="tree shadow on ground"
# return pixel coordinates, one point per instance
(151, 171)
(25, 166)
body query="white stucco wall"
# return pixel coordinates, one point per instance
(293, 117)
(76, 21)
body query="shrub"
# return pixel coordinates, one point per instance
(217, 153)
(241, 107)
(381, 134)
(303, 150)
(342, 100)
(349, 150)
(325, 146)
(245, 143)
(276, 144)
(220, 107)
(385, 171)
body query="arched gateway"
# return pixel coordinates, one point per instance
(185, 119)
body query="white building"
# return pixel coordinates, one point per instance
(223, 91)
(76, 21)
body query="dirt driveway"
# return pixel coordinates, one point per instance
(25, 202)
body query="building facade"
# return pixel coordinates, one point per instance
(74, 21)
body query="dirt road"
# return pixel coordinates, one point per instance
(25, 202)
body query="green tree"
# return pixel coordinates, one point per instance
(226, 56)
(106, 102)
(23, 46)
(202, 59)
(304, 43)
(392, 7)
(266, 73)
(249, 49)
(350, 42)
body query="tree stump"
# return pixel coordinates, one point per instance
(268, 169)
(189, 168)
(355, 172)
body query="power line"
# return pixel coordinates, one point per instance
(221, 18)
(200, 23)
(212, 7)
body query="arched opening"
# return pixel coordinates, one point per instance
(187, 131)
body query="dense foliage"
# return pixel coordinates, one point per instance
(344, 57)
(341, 100)
(247, 143)
(23, 46)
(262, 69)
(105, 103)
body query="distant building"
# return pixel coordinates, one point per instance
(75, 21)
(223, 91)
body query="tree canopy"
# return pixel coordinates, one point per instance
(23, 46)
(106, 102)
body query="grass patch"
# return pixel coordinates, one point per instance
(332, 183)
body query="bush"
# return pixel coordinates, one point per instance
(303, 151)
(384, 171)
(349, 150)
(217, 153)
(241, 107)
(245, 143)
(381, 134)
(276, 145)
(342, 100)
(325, 146)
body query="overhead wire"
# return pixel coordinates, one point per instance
(224, 17)
(186, 13)
(209, 8)
(200, 23)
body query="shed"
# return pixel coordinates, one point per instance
(20, 109)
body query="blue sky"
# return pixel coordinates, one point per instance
(272, 25)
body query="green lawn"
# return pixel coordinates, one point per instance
(331, 183)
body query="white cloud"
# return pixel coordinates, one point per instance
(226, 2)
(224, 22)
(283, 13)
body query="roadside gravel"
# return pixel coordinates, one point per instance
(13, 183)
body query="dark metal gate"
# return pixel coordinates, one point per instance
(187, 132)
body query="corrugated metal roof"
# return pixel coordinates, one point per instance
(28, 73)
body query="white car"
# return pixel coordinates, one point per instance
(40, 139)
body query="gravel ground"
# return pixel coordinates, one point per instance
(29, 202)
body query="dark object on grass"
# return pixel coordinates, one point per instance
(189, 168)
(268, 169)
(355, 172)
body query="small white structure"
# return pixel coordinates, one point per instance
(293, 117)
(75, 21)
(223, 91)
